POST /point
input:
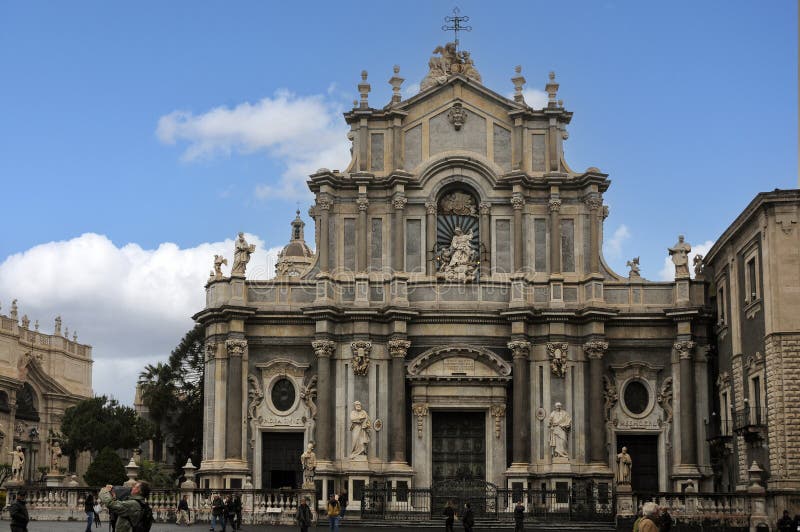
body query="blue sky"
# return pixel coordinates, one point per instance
(157, 130)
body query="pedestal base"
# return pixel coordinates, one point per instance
(54, 480)
(625, 501)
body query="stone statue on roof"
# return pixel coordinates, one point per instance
(450, 61)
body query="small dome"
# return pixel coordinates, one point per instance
(296, 249)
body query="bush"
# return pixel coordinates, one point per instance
(106, 468)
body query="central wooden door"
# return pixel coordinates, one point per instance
(458, 445)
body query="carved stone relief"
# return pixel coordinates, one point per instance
(557, 352)
(361, 350)
(286, 381)
(420, 410)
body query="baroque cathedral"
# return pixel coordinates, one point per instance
(457, 319)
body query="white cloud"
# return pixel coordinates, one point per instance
(133, 305)
(612, 248)
(536, 98)
(667, 272)
(412, 89)
(303, 133)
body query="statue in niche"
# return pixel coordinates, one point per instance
(309, 462)
(624, 463)
(360, 426)
(680, 258)
(559, 422)
(460, 260)
(633, 264)
(458, 203)
(241, 256)
(17, 463)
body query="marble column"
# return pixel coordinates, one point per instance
(594, 203)
(688, 410)
(520, 442)
(517, 202)
(485, 229)
(398, 240)
(430, 237)
(555, 236)
(398, 347)
(322, 210)
(233, 421)
(361, 239)
(597, 431)
(323, 349)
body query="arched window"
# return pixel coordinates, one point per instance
(457, 234)
(27, 407)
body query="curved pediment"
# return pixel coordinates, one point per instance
(459, 360)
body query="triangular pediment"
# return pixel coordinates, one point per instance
(458, 82)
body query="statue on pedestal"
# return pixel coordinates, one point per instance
(624, 463)
(55, 457)
(559, 422)
(360, 426)
(680, 258)
(17, 463)
(309, 461)
(241, 256)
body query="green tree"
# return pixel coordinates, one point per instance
(158, 386)
(100, 422)
(153, 473)
(106, 468)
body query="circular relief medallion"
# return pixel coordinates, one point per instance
(283, 394)
(637, 397)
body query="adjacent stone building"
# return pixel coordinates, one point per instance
(41, 375)
(753, 274)
(458, 319)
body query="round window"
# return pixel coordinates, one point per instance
(636, 397)
(283, 395)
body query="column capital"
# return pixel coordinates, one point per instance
(430, 207)
(398, 347)
(554, 205)
(593, 203)
(211, 351)
(485, 207)
(519, 348)
(595, 348)
(684, 349)
(399, 202)
(324, 204)
(323, 348)
(517, 201)
(363, 203)
(235, 347)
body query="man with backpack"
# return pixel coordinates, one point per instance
(133, 513)
(18, 513)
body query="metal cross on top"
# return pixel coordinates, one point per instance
(455, 24)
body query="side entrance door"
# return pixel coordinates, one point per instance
(280, 460)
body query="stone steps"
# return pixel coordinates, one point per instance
(539, 526)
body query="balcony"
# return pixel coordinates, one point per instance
(718, 430)
(750, 422)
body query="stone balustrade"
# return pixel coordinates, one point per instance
(273, 507)
(732, 510)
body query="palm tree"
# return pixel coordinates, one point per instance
(159, 391)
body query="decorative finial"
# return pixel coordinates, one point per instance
(455, 24)
(552, 90)
(14, 312)
(363, 90)
(36, 325)
(396, 82)
(519, 83)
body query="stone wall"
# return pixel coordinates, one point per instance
(783, 391)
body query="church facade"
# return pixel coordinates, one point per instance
(457, 319)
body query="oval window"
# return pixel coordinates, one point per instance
(283, 395)
(637, 397)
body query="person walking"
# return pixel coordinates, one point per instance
(343, 500)
(449, 516)
(132, 510)
(19, 513)
(237, 508)
(217, 512)
(183, 511)
(785, 522)
(519, 517)
(230, 514)
(468, 519)
(333, 513)
(648, 522)
(304, 517)
(88, 507)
